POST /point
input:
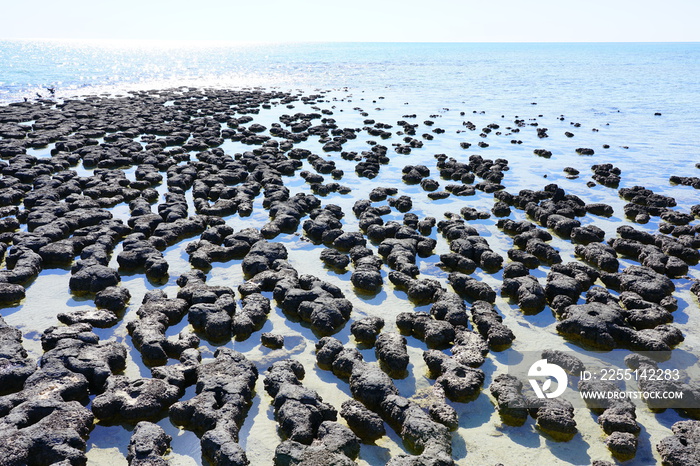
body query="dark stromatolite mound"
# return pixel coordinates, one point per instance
(458, 374)
(254, 310)
(23, 265)
(81, 332)
(607, 175)
(271, 340)
(617, 417)
(48, 398)
(11, 293)
(334, 444)
(648, 284)
(183, 374)
(134, 400)
(110, 303)
(597, 208)
(530, 240)
(366, 276)
(224, 393)
(419, 291)
(622, 445)
(400, 254)
(15, 365)
(490, 325)
(376, 391)
(286, 213)
(46, 422)
(641, 247)
(442, 412)
(451, 308)
(554, 416)
(348, 240)
(435, 333)
(565, 283)
(138, 253)
(365, 330)
(390, 349)
(465, 242)
(525, 258)
(371, 220)
(644, 203)
(658, 386)
(512, 405)
(541, 250)
(693, 181)
(91, 277)
(515, 269)
(561, 225)
(113, 299)
(335, 259)
(365, 423)
(683, 447)
(148, 444)
(45, 431)
(298, 410)
(78, 349)
(262, 256)
(210, 307)
(601, 255)
(315, 301)
(413, 174)
(603, 326)
(642, 314)
(566, 361)
(327, 351)
(307, 423)
(156, 314)
(471, 288)
(527, 291)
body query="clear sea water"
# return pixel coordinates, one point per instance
(570, 77)
(612, 90)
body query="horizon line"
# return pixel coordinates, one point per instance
(253, 42)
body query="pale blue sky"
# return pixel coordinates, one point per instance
(356, 20)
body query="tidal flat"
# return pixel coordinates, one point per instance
(268, 276)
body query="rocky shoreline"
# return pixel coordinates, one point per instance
(159, 157)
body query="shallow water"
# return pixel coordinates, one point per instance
(612, 90)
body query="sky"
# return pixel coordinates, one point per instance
(355, 21)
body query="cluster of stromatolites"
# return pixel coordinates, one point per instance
(128, 177)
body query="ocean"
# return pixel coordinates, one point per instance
(635, 104)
